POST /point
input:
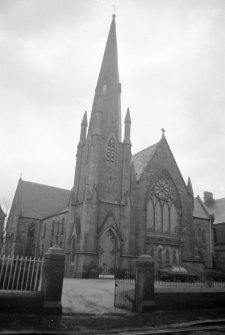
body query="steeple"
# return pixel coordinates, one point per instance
(108, 89)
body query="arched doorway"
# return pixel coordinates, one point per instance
(107, 252)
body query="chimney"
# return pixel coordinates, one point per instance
(208, 198)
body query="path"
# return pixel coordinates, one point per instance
(92, 296)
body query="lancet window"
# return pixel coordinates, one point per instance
(44, 230)
(111, 150)
(152, 253)
(174, 258)
(162, 216)
(160, 257)
(73, 245)
(30, 240)
(167, 258)
(31, 230)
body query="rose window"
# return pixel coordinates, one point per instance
(162, 189)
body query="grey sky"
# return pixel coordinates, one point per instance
(172, 70)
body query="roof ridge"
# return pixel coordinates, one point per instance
(61, 211)
(155, 144)
(202, 205)
(164, 140)
(34, 183)
(219, 199)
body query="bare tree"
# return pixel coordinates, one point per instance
(5, 205)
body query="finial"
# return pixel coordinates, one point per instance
(84, 120)
(163, 131)
(114, 11)
(20, 175)
(127, 117)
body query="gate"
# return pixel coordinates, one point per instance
(124, 295)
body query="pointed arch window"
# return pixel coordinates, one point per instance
(150, 216)
(174, 258)
(173, 219)
(73, 246)
(158, 217)
(30, 240)
(111, 150)
(167, 258)
(166, 217)
(203, 236)
(44, 230)
(162, 215)
(31, 230)
(152, 253)
(160, 257)
(53, 227)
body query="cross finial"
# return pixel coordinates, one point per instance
(163, 131)
(114, 10)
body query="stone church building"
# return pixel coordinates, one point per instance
(121, 205)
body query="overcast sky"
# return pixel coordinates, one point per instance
(172, 70)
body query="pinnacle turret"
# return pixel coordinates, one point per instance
(189, 186)
(84, 120)
(127, 123)
(127, 117)
(83, 129)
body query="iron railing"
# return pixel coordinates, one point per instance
(124, 296)
(20, 274)
(207, 283)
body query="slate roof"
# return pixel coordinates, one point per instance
(217, 207)
(199, 209)
(39, 201)
(142, 158)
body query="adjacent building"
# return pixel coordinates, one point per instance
(216, 207)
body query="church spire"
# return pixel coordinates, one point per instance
(107, 92)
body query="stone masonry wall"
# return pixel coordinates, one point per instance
(163, 160)
(50, 228)
(27, 237)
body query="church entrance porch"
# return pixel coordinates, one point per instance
(107, 252)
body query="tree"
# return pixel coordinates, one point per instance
(4, 213)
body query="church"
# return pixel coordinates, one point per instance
(121, 205)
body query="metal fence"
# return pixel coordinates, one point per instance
(124, 296)
(20, 274)
(194, 284)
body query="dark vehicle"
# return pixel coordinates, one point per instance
(216, 275)
(176, 273)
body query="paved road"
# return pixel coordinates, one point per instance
(94, 296)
